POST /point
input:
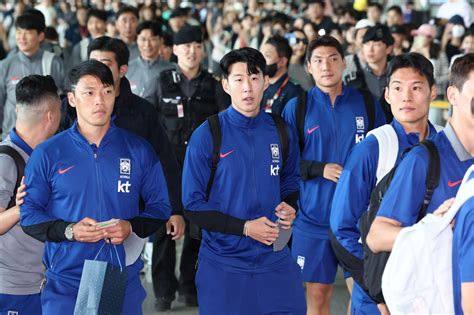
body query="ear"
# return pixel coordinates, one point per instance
(387, 95)
(71, 99)
(225, 85)
(452, 94)
(434, 92)
(344, 64)
(41, 36)
(123, 70)
(49, 115)
(283, 62)
(266, 82)
(175, 48)
(389, 50)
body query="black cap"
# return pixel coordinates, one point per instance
(178, 12)
(188, 34)
(397, 29)
(380, 33)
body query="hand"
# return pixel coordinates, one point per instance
(86, 231)
(20, 193)
(175, 226)
(262, 230)
(286, 215)
(118, 233)
(383, 309)
(332, 171)
(444, 207)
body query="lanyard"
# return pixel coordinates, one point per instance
(268, 107)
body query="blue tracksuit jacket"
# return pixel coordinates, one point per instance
(330, 134)
(69, 179)
(249, 184)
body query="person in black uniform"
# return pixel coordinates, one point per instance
(187, 96)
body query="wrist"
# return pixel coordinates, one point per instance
(246, 228)
(69, 232)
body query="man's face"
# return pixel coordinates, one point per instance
(108, 58)
(96, 27)
(126, 25)
(81, 16)
(94, 102)
(409, 95)
(463, 101)
(177, 23)
(315, 11)
(28, 41)
(374, 14)
(149, 45)
(271, 56)
(245, 90)
(326, 66)
(189, 54)
(393, 18)
(375, 51)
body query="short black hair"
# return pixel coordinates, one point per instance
(396, 8)
(324, 41)
(322, 3)
(375, 4)
(100, 14)
(127, 9)
(251, 56)
(34, 88)
(415, 61)
(282, 47)
(90, 67)
(167, 39)
(31, 21)
(153, 26)
(460, 70)
(115, 45)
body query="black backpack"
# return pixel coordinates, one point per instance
(302, 106)
(374, 263)
(214, 125)
(20, 168)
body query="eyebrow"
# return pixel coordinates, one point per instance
(414, 82)
(331, 55)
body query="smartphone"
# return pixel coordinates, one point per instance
(106, 224)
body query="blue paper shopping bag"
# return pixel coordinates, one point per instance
(102, 286)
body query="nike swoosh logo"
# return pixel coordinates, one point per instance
(452, 184)
(311, 130)
(62, 171)
(223, 155)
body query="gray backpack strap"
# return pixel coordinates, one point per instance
(84, 44)
(47, 62)
(388, 149)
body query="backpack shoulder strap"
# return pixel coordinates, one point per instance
(388, 149)
(369, 107)
(20, 168)
(215, 127)
(283, 135)
(83, 45)
(301, 108)
(432, 178)
(47, 62)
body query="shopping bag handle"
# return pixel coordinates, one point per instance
(111, 255)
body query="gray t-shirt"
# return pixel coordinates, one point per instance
(12, 70)
(21, 267)
(143, 77)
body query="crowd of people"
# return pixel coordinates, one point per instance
(257, 131)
